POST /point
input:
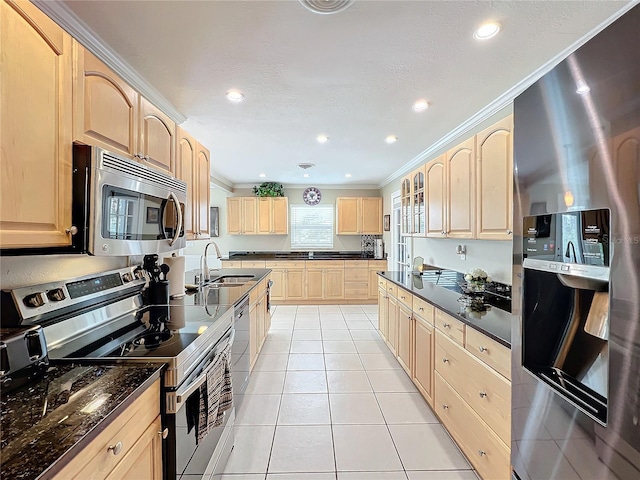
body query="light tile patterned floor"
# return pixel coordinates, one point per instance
(328, 401)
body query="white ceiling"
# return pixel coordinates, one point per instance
(352, 76)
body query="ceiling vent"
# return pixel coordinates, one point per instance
(306, 166)
(326, 7)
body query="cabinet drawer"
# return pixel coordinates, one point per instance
(405, 298)
(231, 264)
(377, 265)
(485, 391)
(284, 264)
(356, 275)
(324, 264)
(423, 309)
(382, 283)
(356, 264)
(489, 456)
(451, 327)
(96, 460)
(253, 264)
(356, 291)
(392, 289)
(489, 351)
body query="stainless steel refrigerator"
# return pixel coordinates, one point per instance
(576, 269)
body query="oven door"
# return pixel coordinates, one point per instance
(135, 211)
(184, 459)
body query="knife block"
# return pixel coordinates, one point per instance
(157, 293)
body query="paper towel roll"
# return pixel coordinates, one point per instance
(175, 275)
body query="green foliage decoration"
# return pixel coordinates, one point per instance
(269, 189)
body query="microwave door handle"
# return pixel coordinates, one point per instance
(175, 200)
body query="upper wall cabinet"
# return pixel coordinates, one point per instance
(494, 174)
(36, 74)
(192, 167)
(406, 225)
(359, 215)
(418, 201)
(460, 174)
(109, 113)
(435, 185)
(257, 215)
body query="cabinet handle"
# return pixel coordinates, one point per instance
(164, 433)
(140, 155)
(445, 406)
(446, 325)
(72, 230)
(146, 157)
(509, 232)
(445, 360)
(115, 449)
(483, 349)
(443, 233)
(421, 309)
(482, 453)
(483, 394)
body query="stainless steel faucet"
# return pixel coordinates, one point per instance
(204, 267)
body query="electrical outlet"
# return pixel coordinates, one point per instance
(463, 256)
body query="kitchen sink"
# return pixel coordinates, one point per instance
(232, 280)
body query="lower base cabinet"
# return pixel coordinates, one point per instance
(423, 341)
(259, 320)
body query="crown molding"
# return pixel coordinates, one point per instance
(69, 21)
(221, 183)
(241, 186)
(503, 100)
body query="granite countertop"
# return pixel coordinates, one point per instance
(56, 416)
(219, 296)
(317, 255)
(442, 290)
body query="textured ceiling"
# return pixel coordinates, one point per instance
(352, 76)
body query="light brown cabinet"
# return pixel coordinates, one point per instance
(494, 181)
(192, 167)
(435, 185)
(109, 113)
(418, 201)
(393, 312)
(259, 320)
(257, 215)
(383, 312)
(356, 280)
(375, 266)
(36, 77)
(324, 280)
(144, 460)
(406, 218)
(405, 338)
(359, 215)
(287, 278)
(423, 342)
(460, 190)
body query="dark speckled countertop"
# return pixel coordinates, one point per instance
(317, 255)
(443, 291)
(53, 418)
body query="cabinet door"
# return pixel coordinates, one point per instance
(315, 283)
(423, 358)
(280, 216)
(35, 74)
(265, 210)
(405, 322)
(435, 184)
(392, 329)
(347, 213)
(383, 312)
(157, 138)
(405, 206)
(277, 291)
(295, 284)
(249, 208)
(253, 333)
(144, 460)
(105, 107)
(494, 174)
(186, 171)
(418, 202)
(201, 202)
(333, 284)
(460, 174)
(371, 216)
(234, 215)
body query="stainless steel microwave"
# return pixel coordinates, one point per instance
(121, 207)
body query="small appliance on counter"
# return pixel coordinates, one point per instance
(378, 252)
(157, 292)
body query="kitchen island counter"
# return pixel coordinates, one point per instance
(49, 421)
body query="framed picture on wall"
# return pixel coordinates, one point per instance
(386, 223)
(214, 221)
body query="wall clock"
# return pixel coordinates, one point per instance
(312, 196)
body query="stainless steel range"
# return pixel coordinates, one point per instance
(103, 316)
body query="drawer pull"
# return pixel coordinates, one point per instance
(421, 309)
(445, 406)
(446, 325)
(483, 394)
(402, 297)
(482, 453)
(115, 449)
(445, 360)
(164, 433)
(483, 349)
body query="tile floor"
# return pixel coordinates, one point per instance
(328, 401)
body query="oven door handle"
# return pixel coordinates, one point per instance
(174, 199)
(182, 395)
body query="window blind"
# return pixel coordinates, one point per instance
(311, 226)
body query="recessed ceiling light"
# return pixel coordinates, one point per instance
(306, 175)
(420, 105)
(348, 175)
(236, 96)
(262, 175)
(391, 139)
(322, 138)
(583, 89)
(486, 30)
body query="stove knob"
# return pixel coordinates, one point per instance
(139, 274)
(35, 300)
(56, 295)
(127, 277)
